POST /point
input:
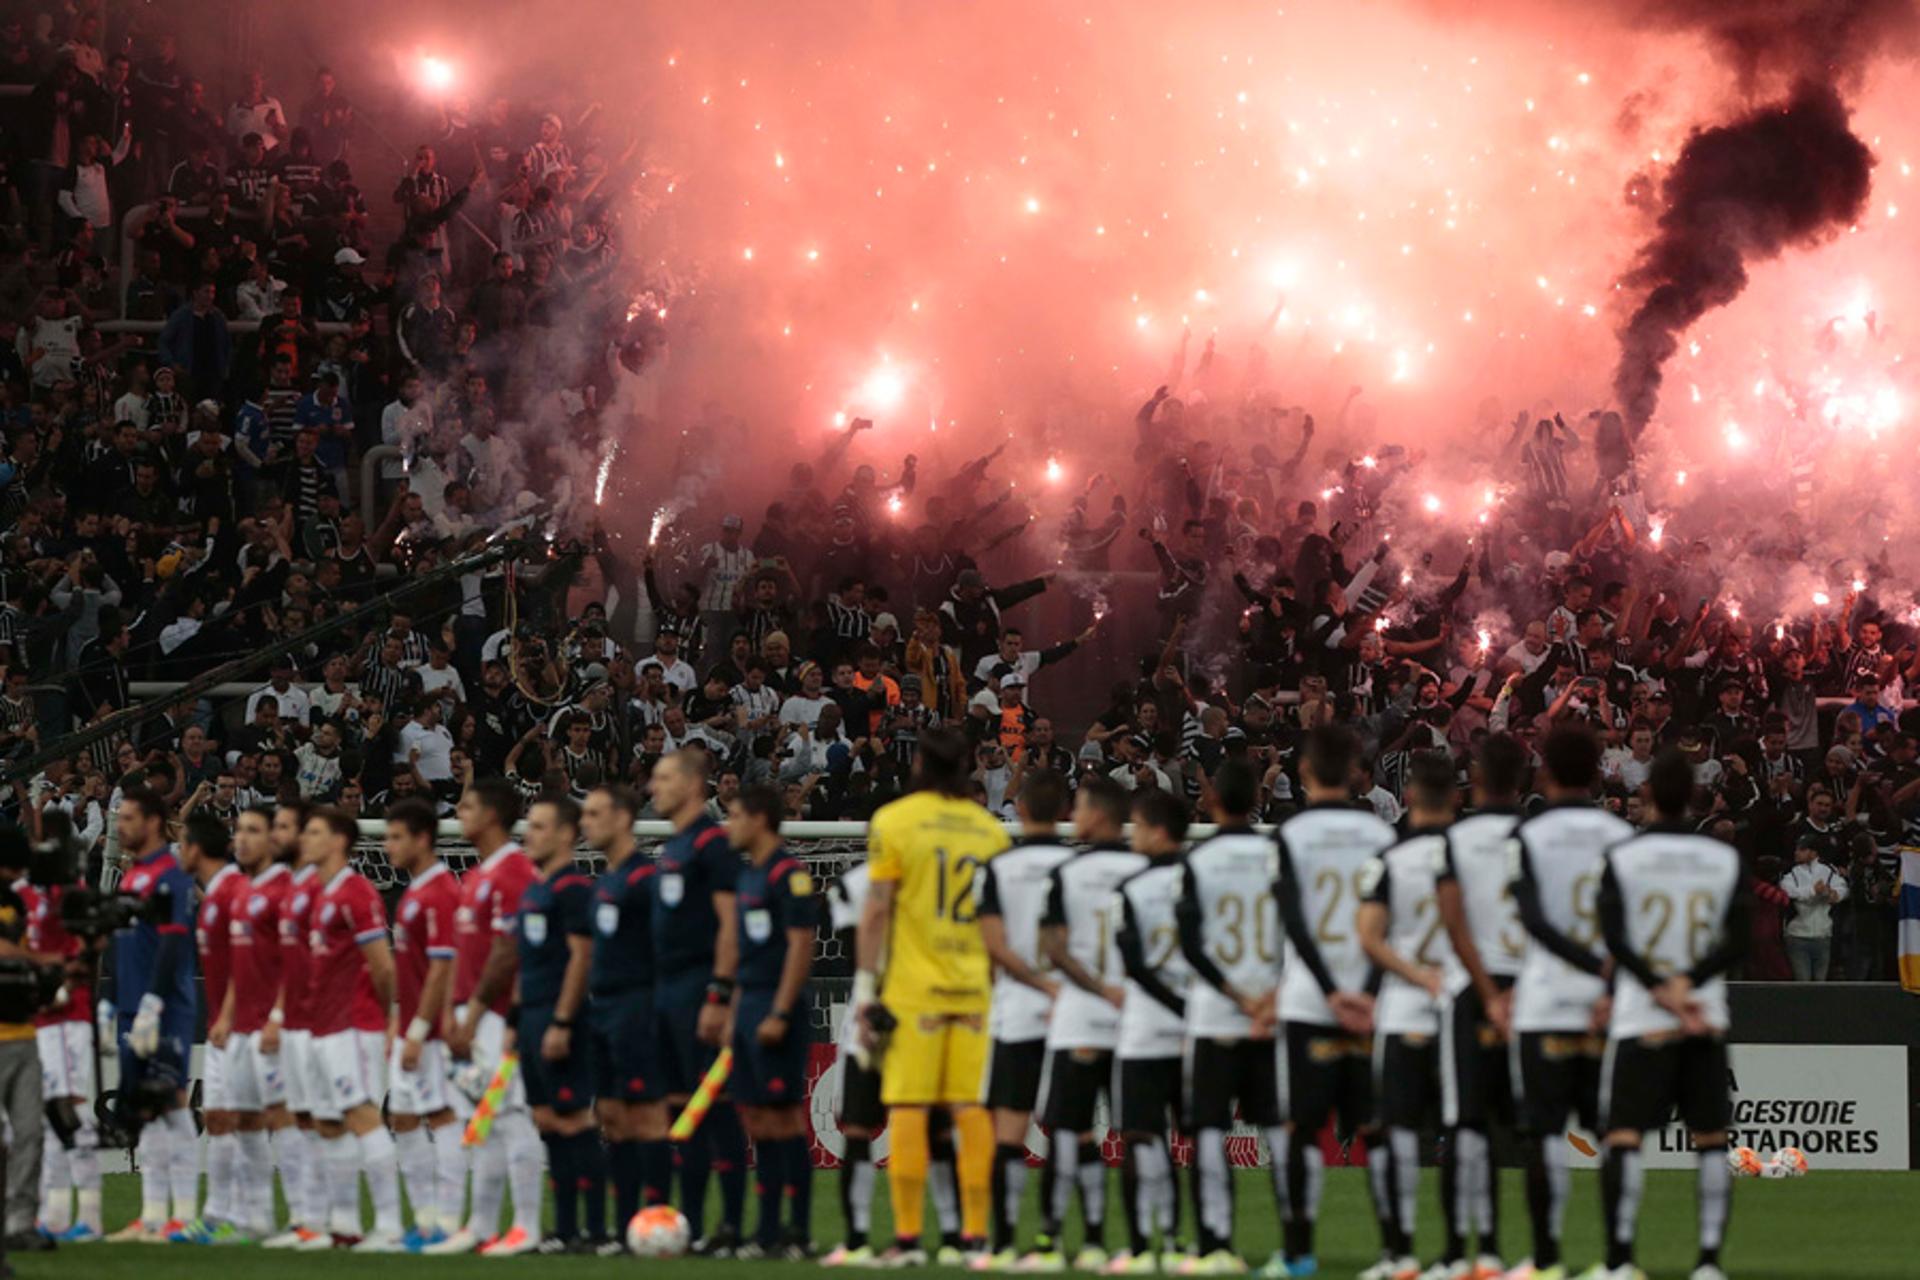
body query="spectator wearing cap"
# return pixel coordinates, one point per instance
(725, 562)
(1815, 887)
(674, 669)
(881, 690)
(343, 292)
(550, 154)
(885, 638)
(1730, 722)
(1016, 717)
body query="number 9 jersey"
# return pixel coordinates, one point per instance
(933, 847)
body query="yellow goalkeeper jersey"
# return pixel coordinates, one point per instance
(932, 846)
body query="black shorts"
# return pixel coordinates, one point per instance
(1076, 1078)
(1406, 1080)
(1013, 1074)
(1643, 1084)
(1558, 1077)
(1148, 1097)
(859, 1105)
(766, 1075)
(622, 1049)
(1476, 1087)
(1329, 1073)
(684, 1057)
(1220, 1073)
(565, 1084)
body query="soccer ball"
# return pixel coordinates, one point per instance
(1745, 1162)
(1787, 1162)
(657, 1231)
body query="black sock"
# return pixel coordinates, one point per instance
(566, 1193)
(1619, 1201)
(799, 1190)
(1546, 1249)
(656, 1171)
(1456, 1246)
(1139, 1239)
(770, 1185)
(730, 1162)
(1298, 1233)
(859, 1152)
(623, 1162)
(695, 1159)
(590, 1177)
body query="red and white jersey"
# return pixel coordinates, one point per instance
(423, 933)
(346, 916)
(47, 936)
(221, 899)
(489, 909)
(296, 982)
(255, 934)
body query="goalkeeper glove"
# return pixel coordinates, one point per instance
(144, 1037)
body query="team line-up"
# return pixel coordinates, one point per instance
(1457, 976)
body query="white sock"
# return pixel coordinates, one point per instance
(343, 1184)
(413, 1151)
(223, 1154)
(489, 1185)
(253, 1182)
(183, 1170)
(381, 1165)
(449, 1177)
(56, 1186)
(316, 1182)
(284, 1148)
(155, 1153)
(526, 1168)
(84, 1163)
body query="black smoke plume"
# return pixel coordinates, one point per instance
(1784, 176)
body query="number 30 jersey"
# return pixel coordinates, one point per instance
(932, 848)
(1402, 880)
(1229, 929)
(1324, 852)
(1078, 900)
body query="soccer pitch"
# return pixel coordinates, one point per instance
(1855, 1225)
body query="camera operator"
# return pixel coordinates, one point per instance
(152, 974)
(70, 1165)
(19, 1065)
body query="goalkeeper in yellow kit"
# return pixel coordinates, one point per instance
(926, 1021)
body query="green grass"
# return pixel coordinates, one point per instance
(1854, 1225)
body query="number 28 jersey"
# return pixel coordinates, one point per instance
(932, 847)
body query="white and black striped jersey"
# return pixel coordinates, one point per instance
(1153, 1023)
(1402, 881)
(1078, 899)
(1672, 901)
(846, 899)
(1323, 854)
(1229, 928)
(1557, 856)
(1015, 888)
(1480, 860)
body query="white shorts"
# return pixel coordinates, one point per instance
(423, 1091)
(351, 1068)
(254, 1078)
(66, 1060)
(296, 1049)
(215, 1091)
(489, 1045)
